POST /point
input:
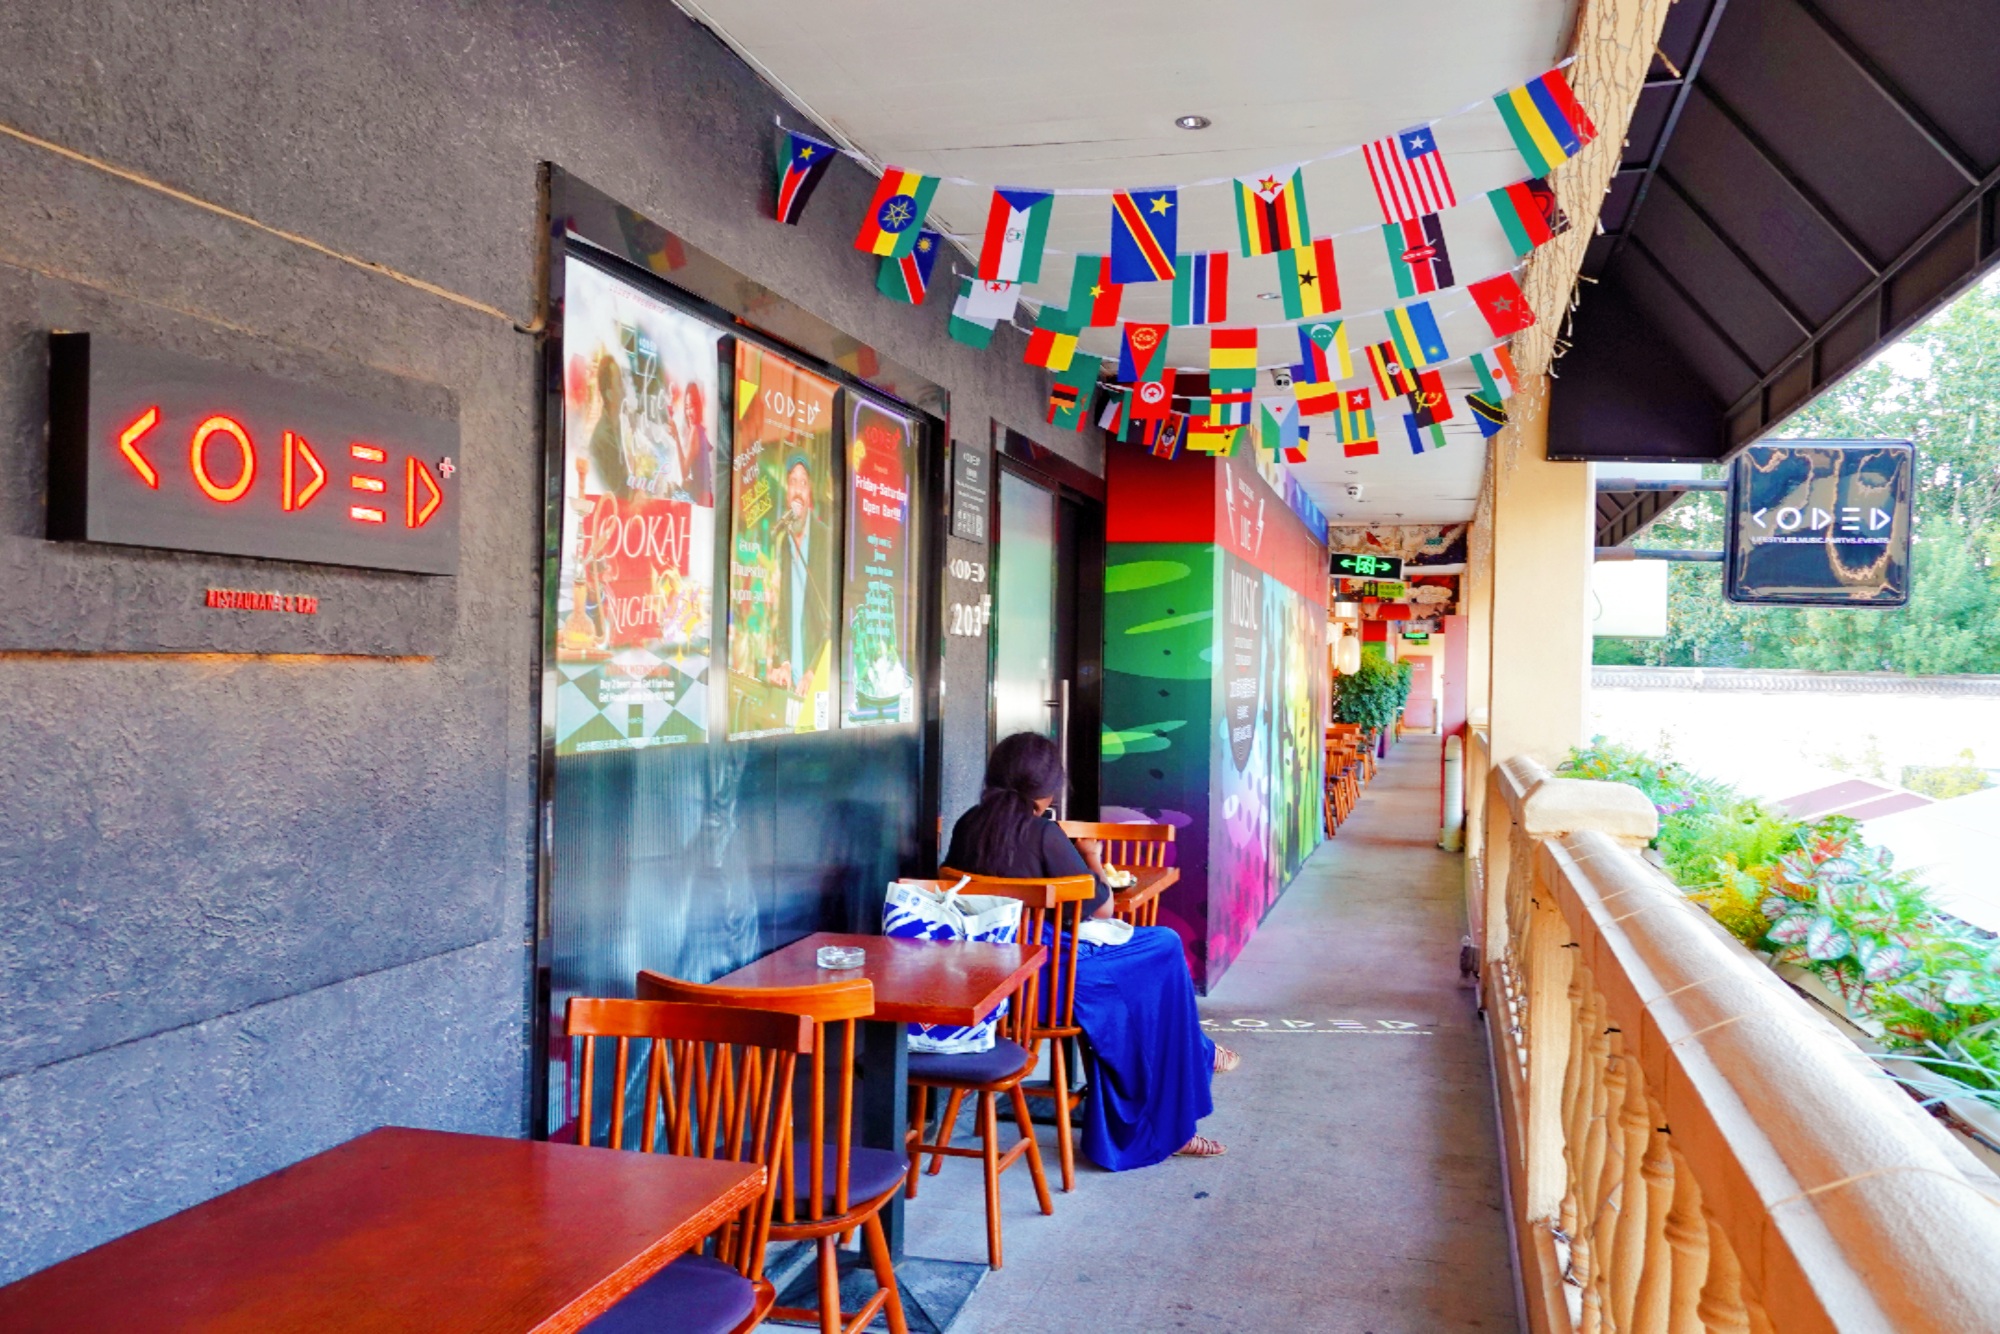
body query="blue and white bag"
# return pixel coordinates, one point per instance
(915, 910)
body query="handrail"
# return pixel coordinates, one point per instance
(1691, 1146)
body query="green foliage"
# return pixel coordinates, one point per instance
(1375, 694)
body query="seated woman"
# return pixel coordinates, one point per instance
(1134, 1002)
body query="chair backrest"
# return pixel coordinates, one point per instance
(718, 1085)
(1052, 907)
(830, 1006)
(1125, 844)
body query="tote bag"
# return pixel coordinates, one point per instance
(917, 911)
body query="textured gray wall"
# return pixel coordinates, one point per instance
(251, 907)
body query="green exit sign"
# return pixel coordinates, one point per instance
(1353, 565)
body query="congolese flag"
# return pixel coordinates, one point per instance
(1017, 228)
(1418, 260)
(1145, 233)
(1548, 125)
(1308, 280)
(1529, 214)
(1201, 288)
(1271, 214)
(896, 213)
(908, 278)
(804, 162)
(1323, 355)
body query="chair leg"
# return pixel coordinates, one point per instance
(829, 1287)
(917, 1139)
(885, 1272)
(946, 1126)
(1027, 1125)
(989, 1141)
(1064, 1148)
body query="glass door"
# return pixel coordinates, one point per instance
(1025, 697)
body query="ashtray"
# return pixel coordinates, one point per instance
(841, 956)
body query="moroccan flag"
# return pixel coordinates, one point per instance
(1408, 174)
(1092, 294)
(1323, 354)
(1422, 435)
(1500, 300)
(1393, 374)
(1355, 426)
(1548, 125)
(1315, 400)
(804, 162)
(1495, 369)
(1232, 359)
(1069, 392)
(1017, 227)
(1052, 344)
(966, 328)
(1271, 213)
(1308, 281)
(1418, 259)
(1414, 332)
(1201, 288)
(1429, 403)
(908, 278)
(1529, 214)
(1152, 400)
(1489, 414)
(896, 213)
(1145, 233)
(1141, 348)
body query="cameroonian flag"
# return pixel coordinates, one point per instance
(1393, 374)
(1053, 342)
(1142, 348)
(804, 162)
(1548, 125)
(1092, 293)
(1315, 400)
(896, 214)
(1429, 403)
(969, 329)
(1308, 280)
(1414, 332)
(1201, 288)
(1017, 228)
(1323, 352)
(1271, 213)
(1355, 426)
(1529, 214)
(908, 278)
(1495, 369)
(1422, 436)
(1069, 392)
(1489, 414)
(1418, 260)
(1145, 233)
(1232, 359)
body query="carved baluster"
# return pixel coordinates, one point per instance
(1721, 1306)
(1550, 966)
(1687, 1235)
(1592, 1234)
(1634, 1130)
(1652, 1304)
(1575, 1100)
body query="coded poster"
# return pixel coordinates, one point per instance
(782, 549)
(636, 569)
(878, 605)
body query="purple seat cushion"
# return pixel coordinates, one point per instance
(693, 1295)
(870, 1172)
(979, 1067)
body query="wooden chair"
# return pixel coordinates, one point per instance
(844, 1185)
(718, 1084)
(1128, 845)
(1053, 907)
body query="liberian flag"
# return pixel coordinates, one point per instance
(1408, 174)
(1201, 288)
(805, 162)
(1017, 227)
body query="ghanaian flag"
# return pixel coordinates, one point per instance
(1307, 280)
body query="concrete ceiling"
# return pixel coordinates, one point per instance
(1068, 96)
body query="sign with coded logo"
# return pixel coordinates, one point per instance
(153, 448)
(1360, 565)
(1821, 523)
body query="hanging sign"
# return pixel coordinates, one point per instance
(1821, 523)
(969, 499)
(151, 448)
(1360, 565)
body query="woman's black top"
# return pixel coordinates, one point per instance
(1052, 854)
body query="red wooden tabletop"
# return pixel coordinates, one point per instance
(956, 982)
(1149, 882)
(399, 1229)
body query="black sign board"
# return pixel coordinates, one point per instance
(153, 448)
(1821, 523)
(1360, 565)
(969, 499)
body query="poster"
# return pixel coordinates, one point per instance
(782, 549)
(636, 577)
(878, 608)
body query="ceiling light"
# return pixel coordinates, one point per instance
(1193, 122)
(1267, 296)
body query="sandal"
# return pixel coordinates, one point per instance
(1201, 1146)
(1225, 1059)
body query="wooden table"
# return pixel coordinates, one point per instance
(1150, 883)
(955, 982)
(399, 1229)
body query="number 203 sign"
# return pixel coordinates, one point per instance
(153, 448)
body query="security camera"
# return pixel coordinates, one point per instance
(1354, 490)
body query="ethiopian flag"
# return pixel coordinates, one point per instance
(1307, 280)
(896, 214)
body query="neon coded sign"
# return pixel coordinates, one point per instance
(154, 448)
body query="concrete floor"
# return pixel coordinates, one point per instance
(1361, 1192)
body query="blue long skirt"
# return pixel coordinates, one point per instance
(1151, 1066)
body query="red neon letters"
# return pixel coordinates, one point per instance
(198, 459)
